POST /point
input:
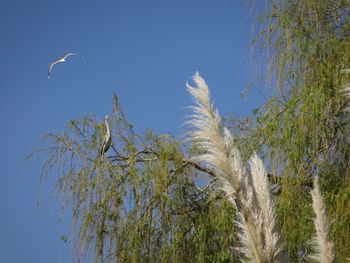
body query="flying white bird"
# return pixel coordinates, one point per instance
(59, 60)
(107, 140)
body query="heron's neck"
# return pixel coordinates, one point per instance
(107, 128)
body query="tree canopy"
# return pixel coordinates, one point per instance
(148, 200)
(303, 128)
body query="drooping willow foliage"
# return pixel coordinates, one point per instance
(303, 129)
(147, 201)
(140, 203)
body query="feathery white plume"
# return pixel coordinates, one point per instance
(258, 236)
(273, 245)
(324, 247)
(210, 137)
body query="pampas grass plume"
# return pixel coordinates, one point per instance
(323, 246)
(248, 192)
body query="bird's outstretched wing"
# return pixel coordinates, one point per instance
(59, 60)
(68, 55)
(51, 66)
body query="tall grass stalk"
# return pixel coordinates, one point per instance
(323, 246)
(247, 191)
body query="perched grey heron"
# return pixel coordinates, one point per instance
(59, 60)
(107, 140)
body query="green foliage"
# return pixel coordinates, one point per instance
(140, 202)
(302, 130)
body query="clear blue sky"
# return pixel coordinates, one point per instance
(145, 51)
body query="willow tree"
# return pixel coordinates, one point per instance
(140, 201)
(303, 129)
